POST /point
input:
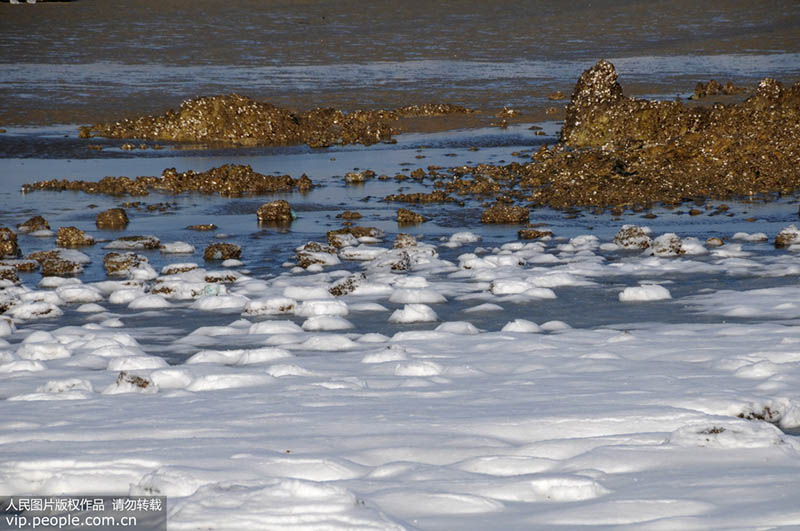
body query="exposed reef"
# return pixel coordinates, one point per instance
(237, 119)
(229, 180)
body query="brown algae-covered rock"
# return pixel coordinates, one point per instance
(113, 218)
(33, 224)
(533, 234)
(229, 180)
(73, 237)
(637, 152)
(787, 236)
(359, 177)
(236, 119)
(715, 88)
(9, 248)
(349, 214)
(119, 264)
(278, 212)
(22, 266)
(502, 213)
(313, 253)
(407, 217)
(222, 251)
(8, 273)
(202, 227)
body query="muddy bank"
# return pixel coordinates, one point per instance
(236, 119)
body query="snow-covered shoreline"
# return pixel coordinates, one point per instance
(290, 410)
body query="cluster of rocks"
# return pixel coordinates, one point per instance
(622, 153)
(229, 180)
(237, 119)
(715, 88)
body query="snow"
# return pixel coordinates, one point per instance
(177, 248)
(645, 292)
(522, 325)
(295, 417)
(326, 322)
(413, 313)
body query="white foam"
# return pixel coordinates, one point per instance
(177, 248)
(326, 322)
(414, 313)
(645, 292)
(522, 325)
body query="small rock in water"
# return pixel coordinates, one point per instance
(114, 218)
(407, 217)
(786, 237)
(533, 234)
(222, 251)
(73, 237)
(34, 224)
(8, 244)
(279, 212)
(202, 227)
(633, 237)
